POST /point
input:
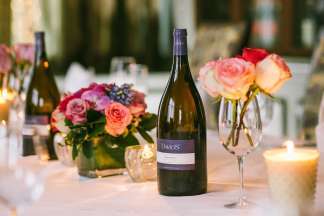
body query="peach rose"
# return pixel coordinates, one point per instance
(58, 123)
(272, 73)
(118, 117)
(231, 78)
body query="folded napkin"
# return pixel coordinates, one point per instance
(78, 77)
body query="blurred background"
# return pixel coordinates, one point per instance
(92, 32)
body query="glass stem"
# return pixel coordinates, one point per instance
(240, 160)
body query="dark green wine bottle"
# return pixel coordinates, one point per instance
(181, 132)
(42, 98)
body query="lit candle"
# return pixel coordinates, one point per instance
(4, 108)
(292, 176)
(147, 152)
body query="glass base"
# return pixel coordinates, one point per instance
(102, 173)
(242, 203)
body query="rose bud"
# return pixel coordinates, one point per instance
(272, 73)
(254, 55)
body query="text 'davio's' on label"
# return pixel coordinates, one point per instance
(176, 154)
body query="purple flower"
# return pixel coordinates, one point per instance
(98, 100)
(24, 53)
(5, 59)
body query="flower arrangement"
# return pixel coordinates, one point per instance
(17, 59)
(115, 113)
(240, 79)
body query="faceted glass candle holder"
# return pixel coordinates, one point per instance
(141, 162)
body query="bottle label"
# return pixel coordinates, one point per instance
(176, 154)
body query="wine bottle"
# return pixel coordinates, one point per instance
(181, 130)
(42, 98)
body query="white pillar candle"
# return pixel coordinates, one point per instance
(292, 177)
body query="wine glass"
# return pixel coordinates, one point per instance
(119, 68)
(239, 136)
(139, 75)
(266, 109)
(19, 184)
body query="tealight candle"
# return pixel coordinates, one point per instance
(292, 176)
(141, 162)
(4, 108)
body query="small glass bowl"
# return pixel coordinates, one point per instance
(141, 162)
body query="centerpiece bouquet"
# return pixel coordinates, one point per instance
(240, 79)
(236, 82)
(100, 121)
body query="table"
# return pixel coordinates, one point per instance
(68, 194)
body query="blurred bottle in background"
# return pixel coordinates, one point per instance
(42, 98)
(265, 24)
(308, 25)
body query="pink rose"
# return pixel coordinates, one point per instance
(118, 117)
(76, 111)
(272, 73)
(78, 94)
(231, 78)
(98, 100)
(58, 122)
(5, 59)
(138, 105)
(24, 53)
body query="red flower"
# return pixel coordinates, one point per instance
(254, 55)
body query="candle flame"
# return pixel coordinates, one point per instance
(290, 147)
(147, 152)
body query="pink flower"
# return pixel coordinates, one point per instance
(58, 122)
(118, 117)
(272, 73)
(24, 53)
(76, 111)
(138, 105)
(94, 86)
(98, 100)
(5, 59)
(231, 78)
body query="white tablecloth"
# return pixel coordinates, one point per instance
(67, 194)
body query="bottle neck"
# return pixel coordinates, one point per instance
(180, 46)
(180, 68)
(40, 50)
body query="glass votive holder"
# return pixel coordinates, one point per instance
(40, 137)
(141, 162)
(63, 151)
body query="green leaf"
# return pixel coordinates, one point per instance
(87, 149)
(149, 121)
(131, 139)
(93, 115)
(145, 135)
(96, 130)
(74, 151)
(68, 123)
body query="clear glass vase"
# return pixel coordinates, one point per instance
(107, 159)
(240, 132)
